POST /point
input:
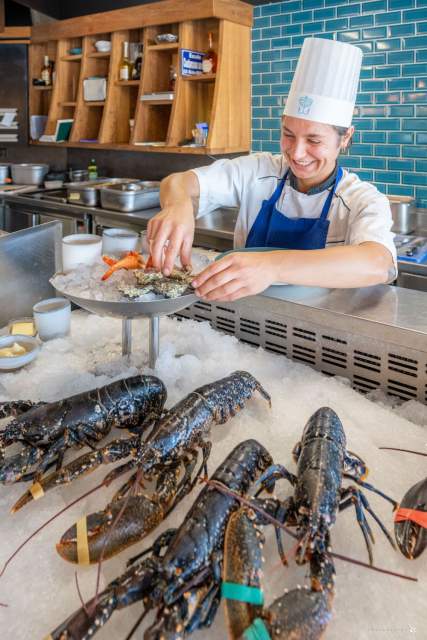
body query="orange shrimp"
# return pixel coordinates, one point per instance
(132, 260)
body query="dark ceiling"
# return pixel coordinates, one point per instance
(17, 13)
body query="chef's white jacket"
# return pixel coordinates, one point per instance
(358, 213)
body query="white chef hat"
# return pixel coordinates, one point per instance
(324, 86)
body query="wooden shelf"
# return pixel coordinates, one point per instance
(40, 88)
(155, 101)
(201, 77)
(140, 148)
(167, 46)
(99, 54)
(127, 83)
(221, 99)
(70, 58)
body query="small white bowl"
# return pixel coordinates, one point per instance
(103, 46)
(16, 362)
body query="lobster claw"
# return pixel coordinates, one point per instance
(411, 537)
(105, 533)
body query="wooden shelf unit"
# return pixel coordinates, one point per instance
(221, 99)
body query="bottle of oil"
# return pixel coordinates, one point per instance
(92, 169)
(210, 60)
(125, 68)
(46, 74)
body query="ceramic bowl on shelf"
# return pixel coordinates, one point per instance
(75, 51)
(17, 350)
(162, 38)
(103, 46)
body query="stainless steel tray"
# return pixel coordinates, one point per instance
(86, 193)
(132, 196)
(133, 309)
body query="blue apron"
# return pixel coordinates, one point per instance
(273, 229)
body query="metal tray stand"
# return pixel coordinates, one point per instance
(127, 310)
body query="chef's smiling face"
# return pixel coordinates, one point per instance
(311, 149)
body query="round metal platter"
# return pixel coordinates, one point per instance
(133, 309)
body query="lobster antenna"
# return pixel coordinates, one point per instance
(417, 453)
(221, 487)
(79, 593)
(56, 515)
(107, 538)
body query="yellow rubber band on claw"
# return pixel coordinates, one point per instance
(82, 542)
(36, 491)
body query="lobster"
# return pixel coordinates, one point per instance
(410, 523)
(169, 456)
(300, 614)
(322, 463)
(47, 430)
(181, 575)
(410, 519)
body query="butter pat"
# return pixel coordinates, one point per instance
(22, 328)
(13, 351)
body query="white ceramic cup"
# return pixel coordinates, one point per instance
(116, 242)
(52, 318)
(80, 248)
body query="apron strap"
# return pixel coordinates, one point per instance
(328, 201)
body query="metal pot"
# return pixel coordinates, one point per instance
(4, 173)
(403, 214)
(29, 173)
(131, 197)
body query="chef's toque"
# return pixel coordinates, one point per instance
(324, 86)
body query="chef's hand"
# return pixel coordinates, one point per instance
(170, 233)
(236, 276)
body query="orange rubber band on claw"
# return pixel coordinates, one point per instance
(419, 517)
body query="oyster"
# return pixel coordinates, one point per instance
(133, 292)
(147, 277)
(170, 288)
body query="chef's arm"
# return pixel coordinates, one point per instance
(349, 266)
(174, 224)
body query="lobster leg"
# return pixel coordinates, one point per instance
(16, 408)
(86, 463)
(361, 519)
(16, 467)
(365, 505)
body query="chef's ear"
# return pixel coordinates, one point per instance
(347, 139)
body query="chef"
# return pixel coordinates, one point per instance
(325, 227)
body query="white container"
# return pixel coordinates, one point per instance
(103, 46)
(80, 248)
(29, 343)
(116, 242)
(52, 318)
(94, 89)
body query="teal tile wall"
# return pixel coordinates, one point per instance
(390, 145)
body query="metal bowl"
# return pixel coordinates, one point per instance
(402, 212)
(27, 173)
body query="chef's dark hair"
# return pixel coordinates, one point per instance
(341, 131)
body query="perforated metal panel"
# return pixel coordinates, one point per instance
(369, 363)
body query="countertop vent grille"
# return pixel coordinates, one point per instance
(324, 342)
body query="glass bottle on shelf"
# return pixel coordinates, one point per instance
(125, 68)
(210, 59)
(136, 59)
(46, 73)
(92, 170)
